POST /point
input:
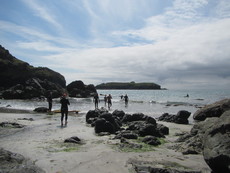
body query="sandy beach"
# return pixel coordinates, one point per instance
(42, 141)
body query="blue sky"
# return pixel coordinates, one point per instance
(179, 44)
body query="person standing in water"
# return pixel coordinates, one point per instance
(96, 100)
(126, 100)
(50, 100)
(105, 99)
(109, 99)
(64, 109)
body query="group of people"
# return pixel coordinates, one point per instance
(65, 102)
(107, 100)
(64, 107)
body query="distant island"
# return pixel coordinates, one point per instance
(129, 85)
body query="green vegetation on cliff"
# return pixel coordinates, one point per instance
(128, 85)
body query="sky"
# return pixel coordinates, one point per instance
(178, 44)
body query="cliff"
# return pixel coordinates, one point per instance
(131, 85)
(19, 80)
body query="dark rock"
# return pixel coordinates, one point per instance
(126, 144)
(11, 125)
(151, 140)
(134, 117)
(16, 163)
(41, 109)
(143, 128)
(101, 125)
(181, 117)
(162, 129)
(213, 110)
(150, 120)
(79, 89)
(149, 129)
(73, 139)
(126, 135)
(109, 117)
(93, 114)
(216, 141)
(119, 113)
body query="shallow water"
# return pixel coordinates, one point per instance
(149, 102)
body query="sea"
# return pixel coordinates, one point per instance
(149, 102)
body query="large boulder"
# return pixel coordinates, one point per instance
(216, 143)
(79, 89)
(212, 110)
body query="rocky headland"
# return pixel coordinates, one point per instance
(20, 80)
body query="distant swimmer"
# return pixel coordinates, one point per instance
(186, 95)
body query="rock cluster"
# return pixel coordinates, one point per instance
(136, 125)
(211, 136)
(180, 118)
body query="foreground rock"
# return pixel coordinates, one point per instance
(16, 163)
(216, 143)
(213, 110)
(180, 118)
(210, 137)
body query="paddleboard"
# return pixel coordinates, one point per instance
(59, 111)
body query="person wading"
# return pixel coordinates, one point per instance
(64, 109)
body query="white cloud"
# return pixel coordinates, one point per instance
(42, 11)
(182, 47)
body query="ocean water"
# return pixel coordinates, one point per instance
(150, 102)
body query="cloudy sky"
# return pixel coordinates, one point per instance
(178, 44)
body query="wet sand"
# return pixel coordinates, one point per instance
(42, 141)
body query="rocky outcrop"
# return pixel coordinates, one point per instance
(180, 118)
(213, 110)
(216, 144)
(16, 163)
(19, 80)
(79, 89)
(210, 137)
(126, 126)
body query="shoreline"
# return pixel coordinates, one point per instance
(42, 141)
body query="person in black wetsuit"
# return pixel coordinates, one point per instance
(109, 100)
(126, 100)
(64, 109)
(50, 100)
(96, 100)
